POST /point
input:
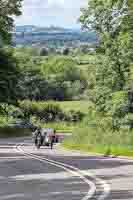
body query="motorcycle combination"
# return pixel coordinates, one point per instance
(44, 137)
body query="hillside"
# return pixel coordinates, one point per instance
(51, 36)
(32, 28)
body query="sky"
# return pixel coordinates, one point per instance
(63, 13)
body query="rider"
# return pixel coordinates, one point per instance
(36, 133)
(52, 139)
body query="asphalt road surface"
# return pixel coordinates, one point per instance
(30, 174)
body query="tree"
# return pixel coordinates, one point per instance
(65, 79)
(9, 75)
(112, 21)
(108, 19)
(32, 85)
(8, 8)
(44, 52)
(65, 51)
(8, 64)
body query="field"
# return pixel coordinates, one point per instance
(82, 106)
(67, 105)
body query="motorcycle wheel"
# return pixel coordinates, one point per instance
(38, 141)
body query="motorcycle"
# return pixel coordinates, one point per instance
(42, 137)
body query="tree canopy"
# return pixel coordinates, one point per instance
(112, 21)
(9, 71)
(9, 75)
(8, 9)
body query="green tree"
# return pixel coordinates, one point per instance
(8, 8)
(112, 20)
(109, 19)
(9, 71)
(66, 51)
(32, 85)
(66, 81)
(9, 75)
(44, 52)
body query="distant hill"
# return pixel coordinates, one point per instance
(51, 36)
(31, 28)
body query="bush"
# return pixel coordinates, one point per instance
(74, 116)
(66, 51)
(44, 52)
(49, 112)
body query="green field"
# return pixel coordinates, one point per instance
(82, 106)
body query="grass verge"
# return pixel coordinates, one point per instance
(92, 141)
(100, 149)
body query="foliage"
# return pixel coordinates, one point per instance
(49, 77)
(32, 85)
(4, 121)
(61, 79)
(112, 20)
(48, 112)
(7, 10)
(66, 51)
(44, 52)
(95, 134)
(108, 128)
(9, 75)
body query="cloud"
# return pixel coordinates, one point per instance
(51, 12)
(56, 2)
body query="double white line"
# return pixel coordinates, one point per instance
(75, 171)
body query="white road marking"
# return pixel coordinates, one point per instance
(74, 171)
(11, 196)
(43, 176)
(92, 187)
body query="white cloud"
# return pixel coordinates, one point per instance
(47, 12)
(57, 2)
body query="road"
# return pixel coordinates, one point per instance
(30, 174)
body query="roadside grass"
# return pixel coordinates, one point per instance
(97, 140)
(95, 135)
(100, 149)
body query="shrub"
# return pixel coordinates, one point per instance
(49, 112)
(66, 51)
(74, 116)
(44, 52)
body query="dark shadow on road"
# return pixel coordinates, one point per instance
(89, 162)
(121, 194)
(116, 176)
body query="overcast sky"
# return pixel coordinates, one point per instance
(51, 12)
